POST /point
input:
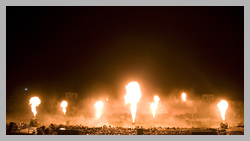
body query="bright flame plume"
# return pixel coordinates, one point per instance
(34, 101)
(64, 104)
(184, 96)
(133, 96)
(223, 105)
(154, 106)
(99, 106)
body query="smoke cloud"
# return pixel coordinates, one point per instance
(172, 111)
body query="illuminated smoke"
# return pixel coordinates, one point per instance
(154, 106)
(64, 104)
(34, 101)
(223, 105)
(133, 96)
(99, 106)
(184, 96)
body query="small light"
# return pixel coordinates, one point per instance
(62, 129)
(26, 89)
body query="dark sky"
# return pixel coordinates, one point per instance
(58, 49)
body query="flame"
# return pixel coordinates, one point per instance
(184, 96)
(154, 106)
(34, 101)
(223, 105)
(99, 106)
(64, 104)
(156, 98)
(133, 96)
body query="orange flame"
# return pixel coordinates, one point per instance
(154, 106)
(184, 96)
(34, 101)
(64, 104)
(133, 96)
(99, 106)
(223, 105)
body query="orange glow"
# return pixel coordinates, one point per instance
(99, 106)
(223, 105)
(133, 96)
(184, 96)
(154, 106)
(34, 101)
(64, 104)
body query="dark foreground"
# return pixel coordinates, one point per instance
(84, 130)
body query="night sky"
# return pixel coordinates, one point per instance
(59, 49)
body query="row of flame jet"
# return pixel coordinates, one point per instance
(133, 97)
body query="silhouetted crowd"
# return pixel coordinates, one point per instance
(53, 129)
(84, 130)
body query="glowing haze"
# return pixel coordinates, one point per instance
(34, 101)
(98, 106)
(133, 96)
(223, 105)
(154, 106)
(184, 96)
(64, 104)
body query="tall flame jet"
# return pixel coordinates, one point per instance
(184, 96)
(64, 104)
(34, 101)
(154, 106)
(223, 105)
(99, 106)
(133, 96)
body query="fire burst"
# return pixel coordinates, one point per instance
(184, 96)
(64, 104)
(223, 105)
(133, 96)
(99, 106)
(155, 105)
(34, 101)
